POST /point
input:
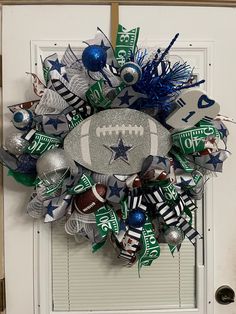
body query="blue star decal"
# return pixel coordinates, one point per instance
(103, 46)
(120, 151)
(56, 65)
(125, 99)
(183, 182)
(115, 190)
(223, 131)
(50, 209)
(162, 160)
(54, 122)
(215, 160)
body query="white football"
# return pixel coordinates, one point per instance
(116, 141)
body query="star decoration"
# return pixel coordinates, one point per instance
(125, 99)
(162, 160)
(214, 160)
(104, 46)
(56, 65)
(223, 131)
(54, 122)
(119, 151)
(115, 190)
(50, 209)
(183, 182)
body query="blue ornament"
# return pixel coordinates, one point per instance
(23, 119)
(130, 73)
(94, 58)
(26, 164)
(136, 218)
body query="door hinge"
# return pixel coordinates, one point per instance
(2, 295)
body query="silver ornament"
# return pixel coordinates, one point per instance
(15, 144)
(22, 119)
(54, 165)
(174, 236)
(130, 73)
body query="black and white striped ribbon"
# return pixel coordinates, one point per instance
(188, 201)
(154, 196)
(134, 198)
(188, 230)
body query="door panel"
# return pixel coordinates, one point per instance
(28, 245)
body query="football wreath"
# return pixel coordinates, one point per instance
(119, 143)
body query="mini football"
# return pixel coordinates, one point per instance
(116, 141)
(91, 200)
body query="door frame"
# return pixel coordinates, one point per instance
(208, 202)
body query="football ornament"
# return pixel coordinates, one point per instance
(91, 200)
(117, 141)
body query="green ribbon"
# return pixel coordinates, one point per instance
(95, 95)
(76, 119)
(107, 220)
(85, 183)
(124, 208)
(43, 142)
(169, 191)
(193, 140)
(98, 246)
(126, 42)
(182, 160)
(150, 248)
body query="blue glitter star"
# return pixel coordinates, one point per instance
(50, 209)
(56, 65)
(104, 46)
(120, 151)
(223, 131)
(215, 160)
(54, 122)
(125, 98)
(115, 190)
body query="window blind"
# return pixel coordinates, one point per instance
(86, 281)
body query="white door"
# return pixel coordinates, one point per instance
(44, 269)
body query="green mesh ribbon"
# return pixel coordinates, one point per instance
(23, 178)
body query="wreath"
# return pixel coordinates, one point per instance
(120, 143)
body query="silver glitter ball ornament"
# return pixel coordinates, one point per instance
(22, 119)
(174, 236)
(54, 165)
(15, 144)
(130, 73)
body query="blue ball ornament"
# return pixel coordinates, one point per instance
(94, 58)
(130, 73)
(27, 164)
(22, 119)
(136, 218)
